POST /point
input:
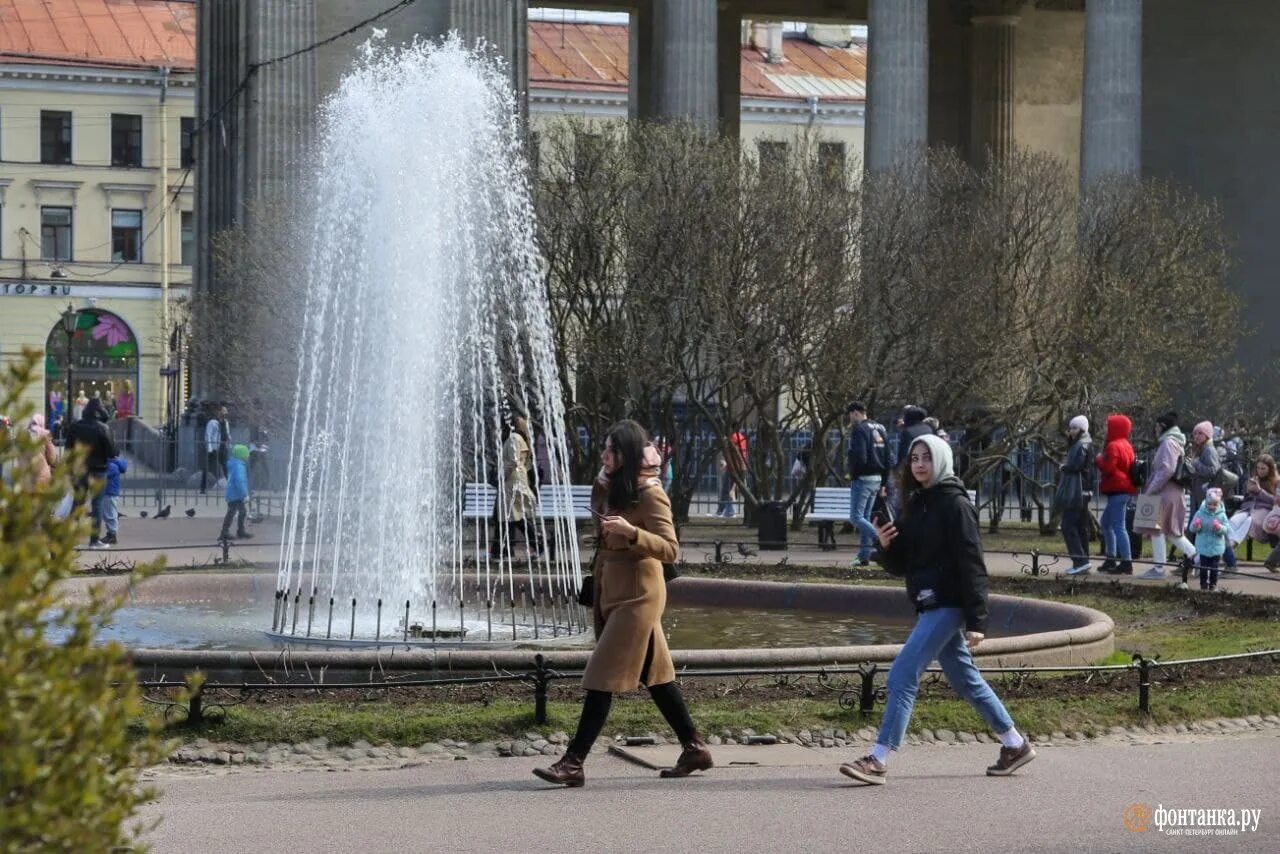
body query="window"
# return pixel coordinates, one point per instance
(55, 234)
(126, 236)
(588, 151)
(831, 161)
(188, 142)
(188, 239)
(126, 140)
(55, 137)
(773, 155)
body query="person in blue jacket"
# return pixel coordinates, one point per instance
(116, 466)
(237, 493)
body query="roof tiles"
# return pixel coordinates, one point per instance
(593, 57)
(117, 33)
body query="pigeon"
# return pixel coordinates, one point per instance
(143, 514)
(163, 513)
(745, 550)
(191, 511)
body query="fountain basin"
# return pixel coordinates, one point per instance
(1022, 631)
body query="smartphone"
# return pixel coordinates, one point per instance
(597, 514)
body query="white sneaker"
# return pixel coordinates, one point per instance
(1155, 573)
(1083, 569)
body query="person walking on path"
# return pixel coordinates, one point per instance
(868, 470)
(1163, 481)
(911, 426)
(91, 433)
(636, 537)
(519, 501)
(237, 493)
(215, 460)
(1210, 528)
(116, 466)
(936, 545)
(1115, 465)
(1075, 488)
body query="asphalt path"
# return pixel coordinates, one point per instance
(1072, 798)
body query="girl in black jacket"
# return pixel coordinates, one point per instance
(936, 545)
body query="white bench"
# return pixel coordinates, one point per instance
(564, 501)
(830, 505)
(555, 501)
(478, 500)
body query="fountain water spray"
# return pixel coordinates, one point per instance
(426, 325)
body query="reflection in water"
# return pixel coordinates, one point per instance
(239, 626)
(690, 627)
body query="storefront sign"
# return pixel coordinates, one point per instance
(34, 289)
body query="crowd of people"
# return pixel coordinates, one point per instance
(1186, 486)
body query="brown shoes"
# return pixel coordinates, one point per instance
(567, 772)
(867, 770)
(694, 757)
(1011, 759)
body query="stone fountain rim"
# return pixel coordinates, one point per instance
(1086, 635)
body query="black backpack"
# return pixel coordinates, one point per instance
(1182, 472)
(1138, 472)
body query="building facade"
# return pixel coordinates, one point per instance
(802, 82)
(96, 199)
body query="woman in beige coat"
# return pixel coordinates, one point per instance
(636, 537)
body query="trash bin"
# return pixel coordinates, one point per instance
(772, 530)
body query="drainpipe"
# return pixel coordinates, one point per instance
(164, 251)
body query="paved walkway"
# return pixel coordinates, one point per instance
(192, 541)
(1072, 798)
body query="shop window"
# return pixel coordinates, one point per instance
(126, 236)
(100, 359)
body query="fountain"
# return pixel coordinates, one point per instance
(426, 326)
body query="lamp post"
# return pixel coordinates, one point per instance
(70, 318)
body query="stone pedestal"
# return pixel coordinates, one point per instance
(897, 81)
(1111, 126)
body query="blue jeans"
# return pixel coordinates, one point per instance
(862, 497)
(96, 513)
(1115, 535)
(937, 634)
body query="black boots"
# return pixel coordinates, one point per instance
(694, 757)
(567, 772)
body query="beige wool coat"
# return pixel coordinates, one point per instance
(630, 596)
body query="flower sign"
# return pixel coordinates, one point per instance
(112, 329)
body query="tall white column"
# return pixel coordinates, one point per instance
(1111, 126)
(897, 81)
(684, 60)
(992, 81)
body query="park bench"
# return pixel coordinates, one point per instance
(831, 504)
(478, 500)
(564, 501)
(555, 501)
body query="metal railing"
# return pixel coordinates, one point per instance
(855, 685)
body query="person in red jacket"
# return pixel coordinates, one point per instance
(1114, 464)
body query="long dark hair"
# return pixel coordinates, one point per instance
(627, 438)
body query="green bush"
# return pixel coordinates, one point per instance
(68, 768)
